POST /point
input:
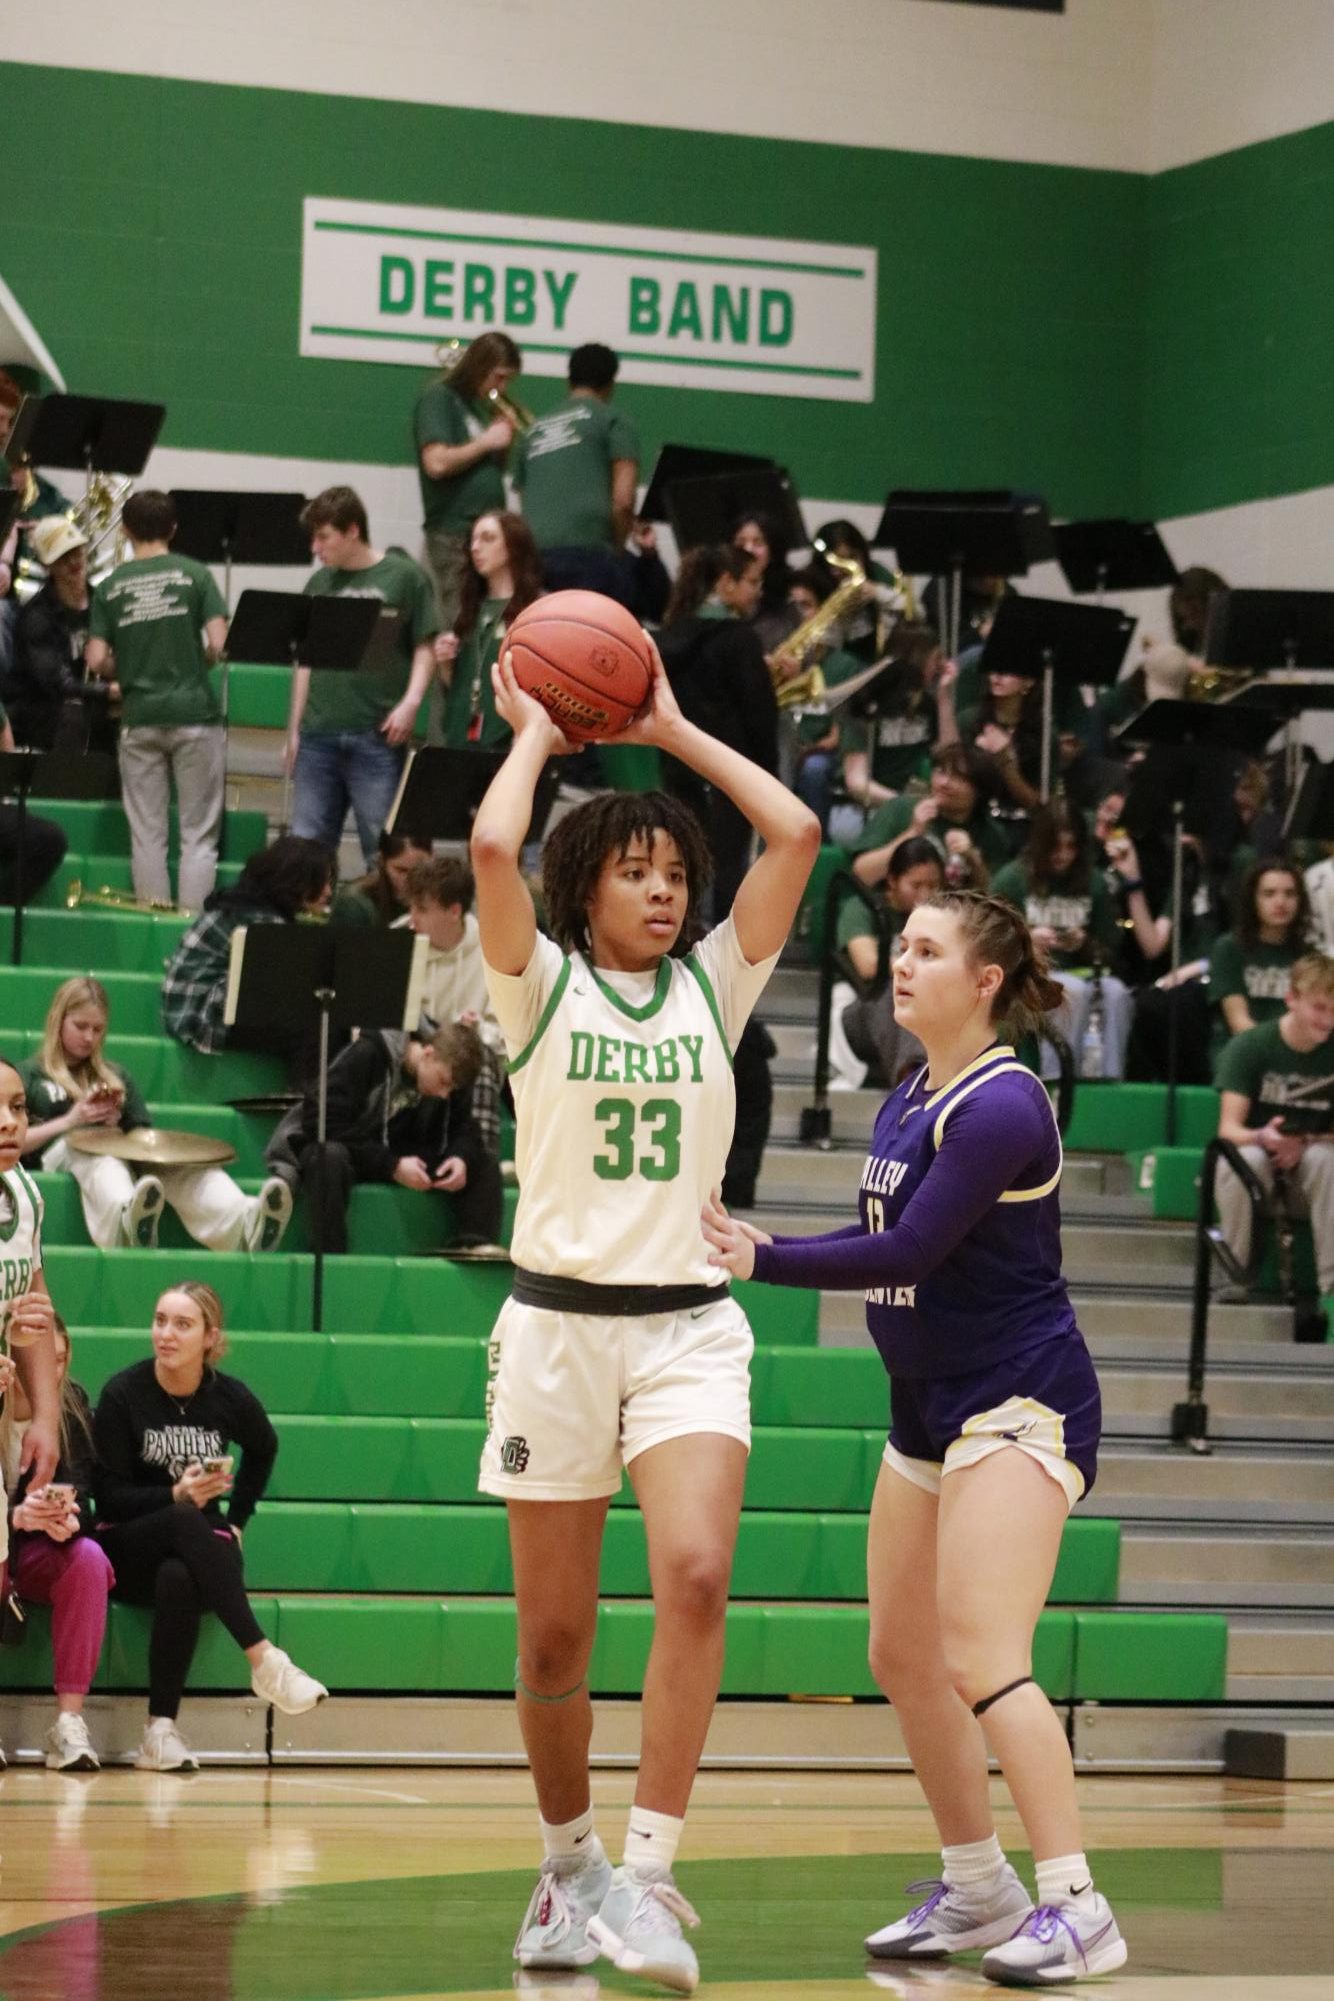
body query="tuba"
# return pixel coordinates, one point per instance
(449, 353)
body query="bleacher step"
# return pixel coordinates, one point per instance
(1291, 1753)
(1256, 1566)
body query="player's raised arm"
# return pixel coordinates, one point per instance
(769, 897)
(505, 916)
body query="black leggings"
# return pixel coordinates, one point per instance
(182, 1563)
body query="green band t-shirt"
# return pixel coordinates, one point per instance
(443, 418)
(1063, 906)
(901, 741)
(470, 700)
(1260, 1066)
(152, 612)
(361, 699)
(895, 817)
(563, 471)
(1259, 973)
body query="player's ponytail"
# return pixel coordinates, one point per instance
(997, 935)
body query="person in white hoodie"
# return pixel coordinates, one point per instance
(439, 898)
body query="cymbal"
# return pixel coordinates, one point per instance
(152, 1146)
(473, 1254)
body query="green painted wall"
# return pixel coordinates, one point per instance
(164, 261)
(1239, 387)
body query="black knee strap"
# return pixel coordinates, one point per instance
(981, 1708)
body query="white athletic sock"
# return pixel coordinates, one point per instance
(1067, 1879)
(569, 1838)
(973, 1866)
(651, 1840)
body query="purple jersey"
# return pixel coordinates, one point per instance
(959, 1244)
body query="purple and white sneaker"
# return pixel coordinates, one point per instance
(1058, 1942)
(952, 1919)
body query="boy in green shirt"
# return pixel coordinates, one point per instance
(1276, 1090)
(157, 624)
(346, 730)
(576, 471)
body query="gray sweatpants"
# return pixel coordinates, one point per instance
(1311, 1187)
(193, 757)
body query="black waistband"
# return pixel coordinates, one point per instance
(574, 1295)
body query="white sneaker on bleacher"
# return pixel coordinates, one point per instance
(270, 1213)
(278, 1679)
(142, 1214)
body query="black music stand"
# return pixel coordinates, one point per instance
(1187, 742)
(351, 978)
(49, 774)
(219, 526)
(690, 462)
(1048, 638)
(85, 434)
(705, 510)
(947, 534)
(441, 790)
(1310, 815)
(1269, 629)
(334, 634)
(1112, 555)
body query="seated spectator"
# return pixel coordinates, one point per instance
(291, 878)
(1250, 964)
(44, 843)
(380, 897)
(503, 577)
(1276, 1103)
(56, 1560)
(440, 894)
(70, 1083)
(916, 717)
(53, 704)
(1169, 1004)
(397, 1111)
(156, 626)
(1066, 906)
(164, 1432)
(866, 1044)
(1006, 726)
(955, 805)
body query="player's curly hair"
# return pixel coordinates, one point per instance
(579, 846)
(998, 936)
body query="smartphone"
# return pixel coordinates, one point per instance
(219, 1465)
(61, 1491)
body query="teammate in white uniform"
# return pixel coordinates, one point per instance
(619, 1348)
(27, 1320)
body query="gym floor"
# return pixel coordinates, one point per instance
(378, 1884)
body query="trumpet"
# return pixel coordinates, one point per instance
(449, 353)
(79, 896)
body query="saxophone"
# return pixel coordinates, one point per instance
(806, 689)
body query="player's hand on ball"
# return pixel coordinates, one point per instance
(733, 1242)
(523, 712)
(660, 714)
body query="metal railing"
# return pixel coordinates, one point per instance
(1190, 1419)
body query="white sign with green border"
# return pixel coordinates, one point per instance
(755, 314)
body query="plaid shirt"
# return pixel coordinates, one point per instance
(194, 987)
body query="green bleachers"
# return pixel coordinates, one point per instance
(374, 1560)
(99, 827)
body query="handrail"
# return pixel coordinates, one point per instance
(816, 1123)
(1190, 1420)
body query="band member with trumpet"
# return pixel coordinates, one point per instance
(70, 1084)
(463, 431)
(158, 623)
(716, 665)
(577, 470)
(52, 702)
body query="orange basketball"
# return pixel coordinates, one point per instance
(585, 659)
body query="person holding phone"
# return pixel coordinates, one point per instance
(56, 1560)
(163, 1432)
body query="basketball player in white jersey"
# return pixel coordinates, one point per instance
(27, 1320)
(618, 1348)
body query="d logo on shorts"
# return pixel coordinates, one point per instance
(514, 1455)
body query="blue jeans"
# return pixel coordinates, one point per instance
(336, 769)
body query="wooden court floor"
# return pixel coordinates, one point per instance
(375, 1884)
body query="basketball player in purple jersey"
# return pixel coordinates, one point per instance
(994, 1436)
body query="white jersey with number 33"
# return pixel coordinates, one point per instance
(625, 1107)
